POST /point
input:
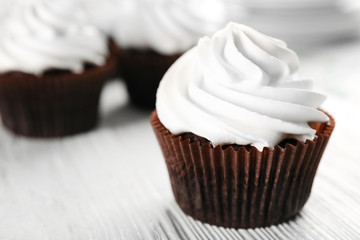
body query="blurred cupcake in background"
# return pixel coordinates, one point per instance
(302, 23)
(151, 35)
(52, 68)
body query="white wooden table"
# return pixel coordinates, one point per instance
(112, 183)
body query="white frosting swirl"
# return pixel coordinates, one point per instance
(239, 87)
(43, 35)
(166, 26)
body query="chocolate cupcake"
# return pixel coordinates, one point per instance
(241, 133)
(142, 71)
(151, 35)
(53, 67)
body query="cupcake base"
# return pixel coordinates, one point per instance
(58, 103)
(142, 71)
(239, 186)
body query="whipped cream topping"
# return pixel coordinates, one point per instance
(103, 14)
(239, 87)
(43, 35)
(166, 26)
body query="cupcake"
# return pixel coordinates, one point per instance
(53, 65)
(151, 35)
(241, 133)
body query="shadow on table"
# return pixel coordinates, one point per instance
(185, 227)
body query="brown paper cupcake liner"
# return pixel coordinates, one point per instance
(239, 186)
(142, 71)
(58, 103)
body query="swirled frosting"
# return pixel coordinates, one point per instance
(239, 87)
(43, 35)
(166, 26)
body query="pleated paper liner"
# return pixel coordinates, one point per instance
(57, 103)
(239, 186)
(142, 71)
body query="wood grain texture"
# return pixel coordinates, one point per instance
(112, 183)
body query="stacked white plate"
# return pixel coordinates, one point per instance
(299, 21)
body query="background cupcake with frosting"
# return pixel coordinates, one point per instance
(151, 35)
(52, 68)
